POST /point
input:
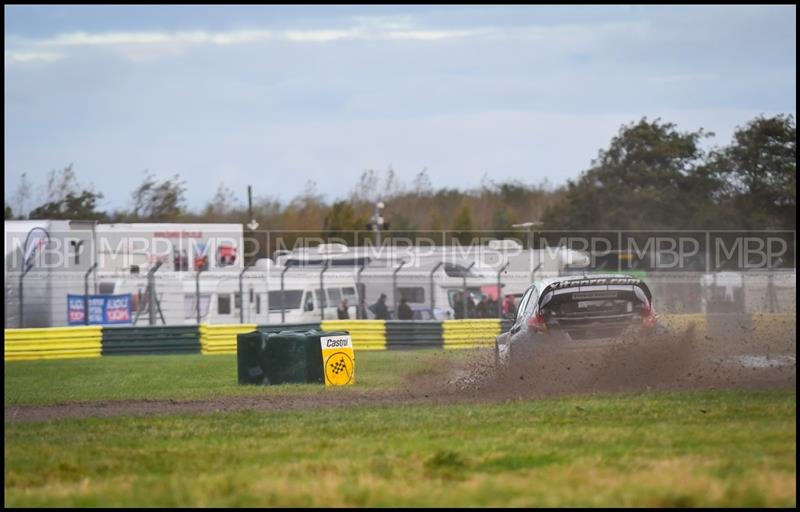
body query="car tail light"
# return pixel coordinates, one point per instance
(649, 315)
(537, 323)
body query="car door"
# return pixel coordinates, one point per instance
(526, 305)
(515, 327)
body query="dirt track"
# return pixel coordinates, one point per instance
(742, 360)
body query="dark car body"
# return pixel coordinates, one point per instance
(579, 311)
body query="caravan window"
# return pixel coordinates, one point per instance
(106, 288)
(414, 294)
(237, 300)
(292, 299)
(258, 303)
(350, 294)
(334, 296)
(224, 304)
(190, 306)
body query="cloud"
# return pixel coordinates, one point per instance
(153, 38)
(146, 45)
(319, 36)
(369, 29)
(24, 57)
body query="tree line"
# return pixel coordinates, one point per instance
(651, 176)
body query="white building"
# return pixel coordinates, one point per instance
(112, 259)
(76, 257)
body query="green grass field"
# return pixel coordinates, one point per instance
(180, 377)
(698, 448)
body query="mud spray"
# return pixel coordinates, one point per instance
(738, 357)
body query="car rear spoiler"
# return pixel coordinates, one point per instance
(595, 283)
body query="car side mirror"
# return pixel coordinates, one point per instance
(309, 306)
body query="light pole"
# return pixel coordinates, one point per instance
(530, 226)
(197, 292)
(433, 296)
(359, 292)
(465, 296)
(241, 294)
(323, 301)
(394, 286)
(86, 293)
(151, 295)
(283, 296)
(499, 296)
(27, 264)
(377, 222)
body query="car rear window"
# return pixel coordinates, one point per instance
(596, 306)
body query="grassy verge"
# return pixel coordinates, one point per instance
(710, 448)
(181, 377)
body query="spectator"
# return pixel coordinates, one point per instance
(470, 307)
(509, 307)
(341, 311)
(482, 309)
(458, 306)
(404, 311)
(493, 308)
(379, 309)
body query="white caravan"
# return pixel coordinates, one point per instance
(431, 278)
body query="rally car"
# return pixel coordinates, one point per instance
(578, 311)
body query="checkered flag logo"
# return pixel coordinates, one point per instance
(338, 366)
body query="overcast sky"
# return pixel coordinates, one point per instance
(276, 96)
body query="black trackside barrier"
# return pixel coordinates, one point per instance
(402, 335)
(150, 340)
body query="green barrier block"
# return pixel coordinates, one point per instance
(292, 356)
(249, 355)
(265, 358)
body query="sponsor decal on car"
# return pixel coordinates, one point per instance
(595, 281)
(595, 295)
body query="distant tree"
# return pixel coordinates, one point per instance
(9, 214)
(65, 199)
(759, 171)
(366, 190)
(644, 179)
(22, 195)
(342, 221)
(422, 184)
(267, 209)
(223, 206)
(462, 224)
(163, 200)
(392, 186)
(436, 222)
(71, 207)
(303, 216)
(502, 221)
(513, 193)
